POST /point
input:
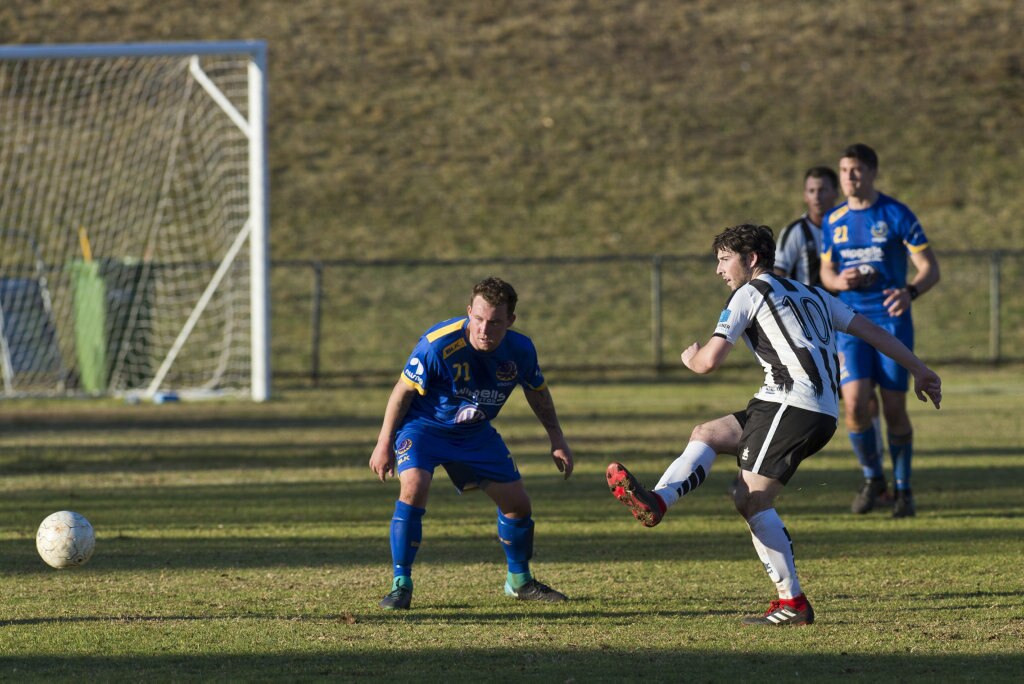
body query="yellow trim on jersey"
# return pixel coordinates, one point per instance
(838, 214)
(412, 384)
(914, 249)
(543, 386)
(827, 256)
(441, 332)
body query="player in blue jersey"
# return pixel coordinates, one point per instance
(439, 414)
(865, 243)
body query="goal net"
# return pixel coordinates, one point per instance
(133, 219)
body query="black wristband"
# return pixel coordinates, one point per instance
(913, 292)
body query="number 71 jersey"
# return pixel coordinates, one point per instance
(462, 389)
(791, 328)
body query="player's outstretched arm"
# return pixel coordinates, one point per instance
(382, 460)
(543, 406)
(707, 358)
(927, 384)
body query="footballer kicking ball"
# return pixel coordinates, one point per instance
(65, 540)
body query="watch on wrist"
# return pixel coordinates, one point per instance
(913, 292)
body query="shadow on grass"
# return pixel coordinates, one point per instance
(244, 551)
(194, 418)
(289, 451)
(603, 661)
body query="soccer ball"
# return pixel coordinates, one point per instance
(65, 539)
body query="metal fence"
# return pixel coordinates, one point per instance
(347, 321)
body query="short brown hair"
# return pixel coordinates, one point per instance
(823, 172)
(496, 292)
(746, 239)
(862, 153)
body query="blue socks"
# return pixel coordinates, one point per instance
(515, 534)
(865, 446)
(516, 537)
(901, 447)
(406, 534)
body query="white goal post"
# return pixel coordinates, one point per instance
(133, 183)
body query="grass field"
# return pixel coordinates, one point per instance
(249, 542)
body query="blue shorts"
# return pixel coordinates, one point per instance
(858, 360)
(469, 459)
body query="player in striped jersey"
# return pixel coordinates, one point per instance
(791, 329)
(439, 414)
(798, 251)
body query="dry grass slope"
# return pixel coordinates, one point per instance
(408, 129)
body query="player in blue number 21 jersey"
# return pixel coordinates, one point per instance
(865, 243)
(458, 377)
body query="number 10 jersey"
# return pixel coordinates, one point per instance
(791, 329)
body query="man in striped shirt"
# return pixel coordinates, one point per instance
(791, 329)
(798, 253)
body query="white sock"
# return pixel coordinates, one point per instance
(775, 549)
(686, 472)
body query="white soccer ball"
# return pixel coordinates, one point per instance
(65, 540)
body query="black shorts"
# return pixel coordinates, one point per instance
(777, 437)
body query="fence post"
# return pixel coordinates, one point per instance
(318, 295)
(995, 306)
(656, 322)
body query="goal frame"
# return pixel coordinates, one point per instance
(255, 128)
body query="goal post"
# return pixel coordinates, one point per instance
(134, 219)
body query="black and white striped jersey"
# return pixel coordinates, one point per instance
(798, 251)
(791, 328)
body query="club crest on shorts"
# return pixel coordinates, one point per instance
(404, 447)
(469, 414)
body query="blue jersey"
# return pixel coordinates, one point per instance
(460, 389)
(878, 238)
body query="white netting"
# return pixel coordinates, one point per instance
(131, 160)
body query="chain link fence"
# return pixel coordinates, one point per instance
(348, 321)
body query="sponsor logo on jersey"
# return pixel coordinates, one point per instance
(489, 397)
(880, 232)
(506, 371)
(746, 454)
(454, 347)
(414, 371)
(723, 327)
(862, 255)
(404, 447)
(469, 414)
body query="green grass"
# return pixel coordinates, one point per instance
(250, 542)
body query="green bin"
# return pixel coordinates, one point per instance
(105, 294)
